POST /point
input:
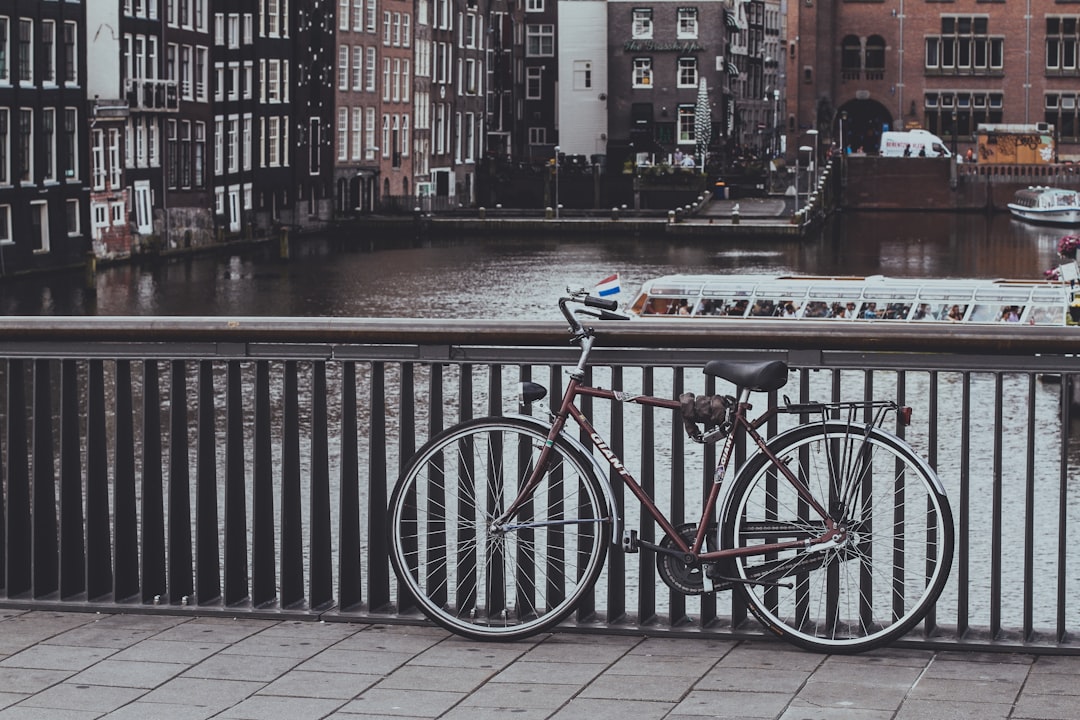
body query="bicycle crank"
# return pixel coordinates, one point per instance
(685, 577)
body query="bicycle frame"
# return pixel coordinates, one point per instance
(568, 409)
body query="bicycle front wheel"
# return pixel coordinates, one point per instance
(880, 577)
(487, 582)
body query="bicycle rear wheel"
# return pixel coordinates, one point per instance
(488, 583)
(881, 578)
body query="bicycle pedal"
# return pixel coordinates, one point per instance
(629, 541)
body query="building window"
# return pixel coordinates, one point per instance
(688, 73)
(273, 139)
(369, 133)
(1062, 39)
(686, 125)
(688, 25)
(48, 143)
(26, 145)
(971, 109)
(642, 26)
(539, 40)
(533, 76)
(964, 46)
(537, 136)
(5, 225)
(26, 50)
(357, 132)
(172, 159)
(185, 154)
(5, 147)
(314, 145)
(71, 208)
(534, 5)
(582, 74)
(643, 72)
(369, 73)
(199, 160)
(48, 52)
(357, 68)
(5, 42)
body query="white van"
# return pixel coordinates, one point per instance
(912, 143)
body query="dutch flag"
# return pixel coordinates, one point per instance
(607, 286)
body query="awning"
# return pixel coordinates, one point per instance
(732, 69)
(730, 21)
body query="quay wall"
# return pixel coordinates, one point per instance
(879, 183)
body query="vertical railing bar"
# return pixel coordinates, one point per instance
(207, 539)
(125, 502)
(646, 530)
(99, 581)
(406, 449)
(155, 586)
(236, 526)
(616, 600)
(181, 563)
(378, 577)
(962, 514)
(995, 513)
(263, 545)
(900, 529)
(1029, 517)
(45, 542)
(436, 496)
(292, 524)
(708, 467)
(73, 551)
(586, 609)
(350, 593)
(677, 613)
(1068, 390)
(19, 565)
(930, 624)
(321, 582)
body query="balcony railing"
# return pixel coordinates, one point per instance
(243, 465)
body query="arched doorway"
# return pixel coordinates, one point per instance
(863, 122)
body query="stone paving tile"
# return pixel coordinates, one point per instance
(145, 621)
(843, 695)
(866, 674)
(23, 712)
(998, 672)
(69, 696)
(268, 707)
(460, 653)
(742, 705)
(214, 629)
(1047, 684)
(1067, 664)
(582, 650)
(103, 636)
(242, 667)
(633, 664)
(594, 709)
(1042, 707)
(768, 654)
(126, 673)
(314, 629)
(169, 651)
(552, 673)
(536, 696)
(482, 713)
(397, 639)
(331, 685)
(703, 647)
(887, 656)
(10, 698)
(30, 680)
(414, 704)
(753, 679)
(958, 710)
(801, 711)
(57, 657)
(363, 662)
(419, 676)
(271, 646)
(949, 689)
(639, 687)
(218, 694)
(140, 710)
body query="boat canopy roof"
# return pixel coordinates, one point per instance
(864, 298)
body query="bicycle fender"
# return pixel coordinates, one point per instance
(598, 470)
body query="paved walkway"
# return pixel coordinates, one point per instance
(71, 666)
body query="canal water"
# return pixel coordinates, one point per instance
(506, 277)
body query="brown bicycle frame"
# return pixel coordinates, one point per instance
(569, 409)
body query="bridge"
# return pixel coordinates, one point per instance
(240, 466)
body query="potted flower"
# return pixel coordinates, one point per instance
(1068, 246)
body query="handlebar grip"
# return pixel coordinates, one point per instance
(602, 303)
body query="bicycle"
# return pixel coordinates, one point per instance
(836, 532)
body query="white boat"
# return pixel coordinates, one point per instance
(1055, 206)
(854, 299)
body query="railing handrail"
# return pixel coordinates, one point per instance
(889, 336)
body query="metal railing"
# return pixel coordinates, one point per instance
(242, 465)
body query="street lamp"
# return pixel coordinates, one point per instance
(813, 162)
(954, 133)
(843, 147)
(556, 182)
(776, 122)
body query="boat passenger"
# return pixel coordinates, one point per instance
(1010, 314)
(955, 314)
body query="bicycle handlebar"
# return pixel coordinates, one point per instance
(605, 306)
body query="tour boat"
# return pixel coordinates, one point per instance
(1055, 206)
(855, 299)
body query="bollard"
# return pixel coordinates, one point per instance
(283, 250)
(670, 217)
(678, 214)
(614, 213)
(483, 213)
(735, 214)
(548, 213)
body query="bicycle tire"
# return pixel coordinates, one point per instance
(883, 578)
(489, 585)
